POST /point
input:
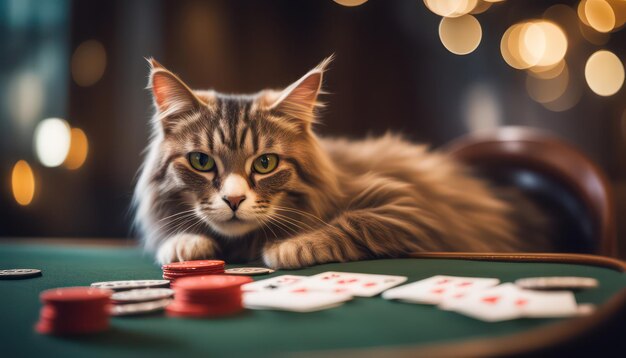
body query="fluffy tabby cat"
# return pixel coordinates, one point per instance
(245, 178)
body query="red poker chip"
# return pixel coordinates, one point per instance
(74, 310)
(75, 295)
(199, 273)
(208, 299)
(71, 312)
(177, 309)
(194, 272)
(50, 313)
(210, 282)
(193, 265)
(48, 327)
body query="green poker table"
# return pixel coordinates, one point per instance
(362, 327)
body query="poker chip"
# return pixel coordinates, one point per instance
(130, 284)
(177, 270)
(249, 271)
(133, 309)
(196, 265)
(557, 283)
(74, 310)
(207, 296)
(142, 295)
(20, 273)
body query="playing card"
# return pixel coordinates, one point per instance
(356, 284)
(297, 300)
(438, 288)
(274, 283)
(547, 304)
(507, 301)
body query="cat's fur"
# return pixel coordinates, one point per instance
(328, 200)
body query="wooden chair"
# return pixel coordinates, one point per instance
(555, 175)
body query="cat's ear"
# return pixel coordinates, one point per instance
(299, 100)
(170, 94)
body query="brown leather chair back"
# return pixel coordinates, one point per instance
(513, 152)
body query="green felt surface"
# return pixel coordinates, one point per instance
(361, 323)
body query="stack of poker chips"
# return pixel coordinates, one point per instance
(74, 310)
(182, 269)
(207, 296)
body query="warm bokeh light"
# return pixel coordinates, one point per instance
(547, 90)
(547, 72)
(451, 8)
(569, 99)
(539, 43)
(23, 183)
(350, 2)
(79, 147)
(52, 141)
(604, 73)
(510, 47)
(593, 36)
(481, 7)
(460, 35)
(599, 15)
(88, 63)
(556, 43)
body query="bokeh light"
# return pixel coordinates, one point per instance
(599, 15)
(481, 7)
(451, 8)
(23, 183)
(570, 98)
(79, 147)
(534, 43)
(52, 141)
(350, 2)
(460, 35)
(88, 63)
(547, 72)
(547, 90)
(604, 73)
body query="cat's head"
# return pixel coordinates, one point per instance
(240, 162)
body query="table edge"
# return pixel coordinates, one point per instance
(564, 258)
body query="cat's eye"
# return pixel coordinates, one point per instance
(265, 163)
(201, 162)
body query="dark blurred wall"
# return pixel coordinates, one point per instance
(391, 73)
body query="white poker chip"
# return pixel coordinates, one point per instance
(557, 283)
(19, 273)
(130, 284)
(132, 309)
(142, 295)
(250, 271)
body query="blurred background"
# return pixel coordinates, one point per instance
(74, 110)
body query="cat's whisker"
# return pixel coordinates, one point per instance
(282, 225)
(297, 211)
(279, 225)
(176, 214)
(264, 223)
(294, 221)
(175, 228)
(173, 221)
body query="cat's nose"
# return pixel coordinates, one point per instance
(234, 201)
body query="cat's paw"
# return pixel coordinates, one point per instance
(301, 252)
(287, 254)
(185, 247)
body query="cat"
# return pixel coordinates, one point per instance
(245, 178)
